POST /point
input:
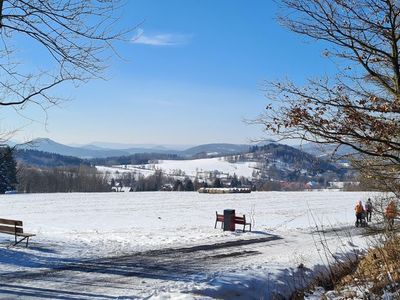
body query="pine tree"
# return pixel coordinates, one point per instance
(196, 184)
(235, 181)
(8, 170)
(188, 185)
(178, 186)
(217, 183)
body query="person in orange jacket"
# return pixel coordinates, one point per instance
(391, 213)
(359, 213)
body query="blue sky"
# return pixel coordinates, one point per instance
(191, 73)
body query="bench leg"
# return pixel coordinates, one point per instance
(21, 240)
(215, 226)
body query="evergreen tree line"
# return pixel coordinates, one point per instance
(155, 182)
(42, 159)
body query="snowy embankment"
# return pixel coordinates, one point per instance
(164, 245)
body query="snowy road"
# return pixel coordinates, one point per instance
(130, 271)
(170, 259)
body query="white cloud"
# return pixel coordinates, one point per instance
(163, 39)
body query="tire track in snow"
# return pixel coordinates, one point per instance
(163, 263)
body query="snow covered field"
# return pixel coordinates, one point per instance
(190, 168)
(163, 245)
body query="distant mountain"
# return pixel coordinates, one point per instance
(187, 151)
(125, 151)
(326, 150)
(91, 147)
(48, 145)
(274, 161)
(151, 150)
(120, 146)
(296, 158)
(215, 150)
(97, 151)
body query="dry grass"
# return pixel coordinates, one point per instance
(370, 275)
(379, 269)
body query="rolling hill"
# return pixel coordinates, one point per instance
(95, 151)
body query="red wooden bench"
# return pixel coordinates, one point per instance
(219, 218)
(238, 220)
(14, 227)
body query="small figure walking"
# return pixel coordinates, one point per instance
(369, 208)
(390, 214)
(360, 217)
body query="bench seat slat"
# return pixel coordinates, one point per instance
(18, 233)
(10, 222)
(26, 234)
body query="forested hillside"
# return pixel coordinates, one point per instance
(43, 159)
(269, 167)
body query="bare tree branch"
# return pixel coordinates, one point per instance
(360, 107)
(77, 35)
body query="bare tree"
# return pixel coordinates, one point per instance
(75, 37)
(360, 106)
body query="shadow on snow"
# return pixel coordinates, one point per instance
(67, 278)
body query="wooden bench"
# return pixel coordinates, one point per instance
(238, 220)
(219, 218)
(14, 227)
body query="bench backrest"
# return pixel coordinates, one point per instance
(240, 220)
(219, 217)
(12, 226)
